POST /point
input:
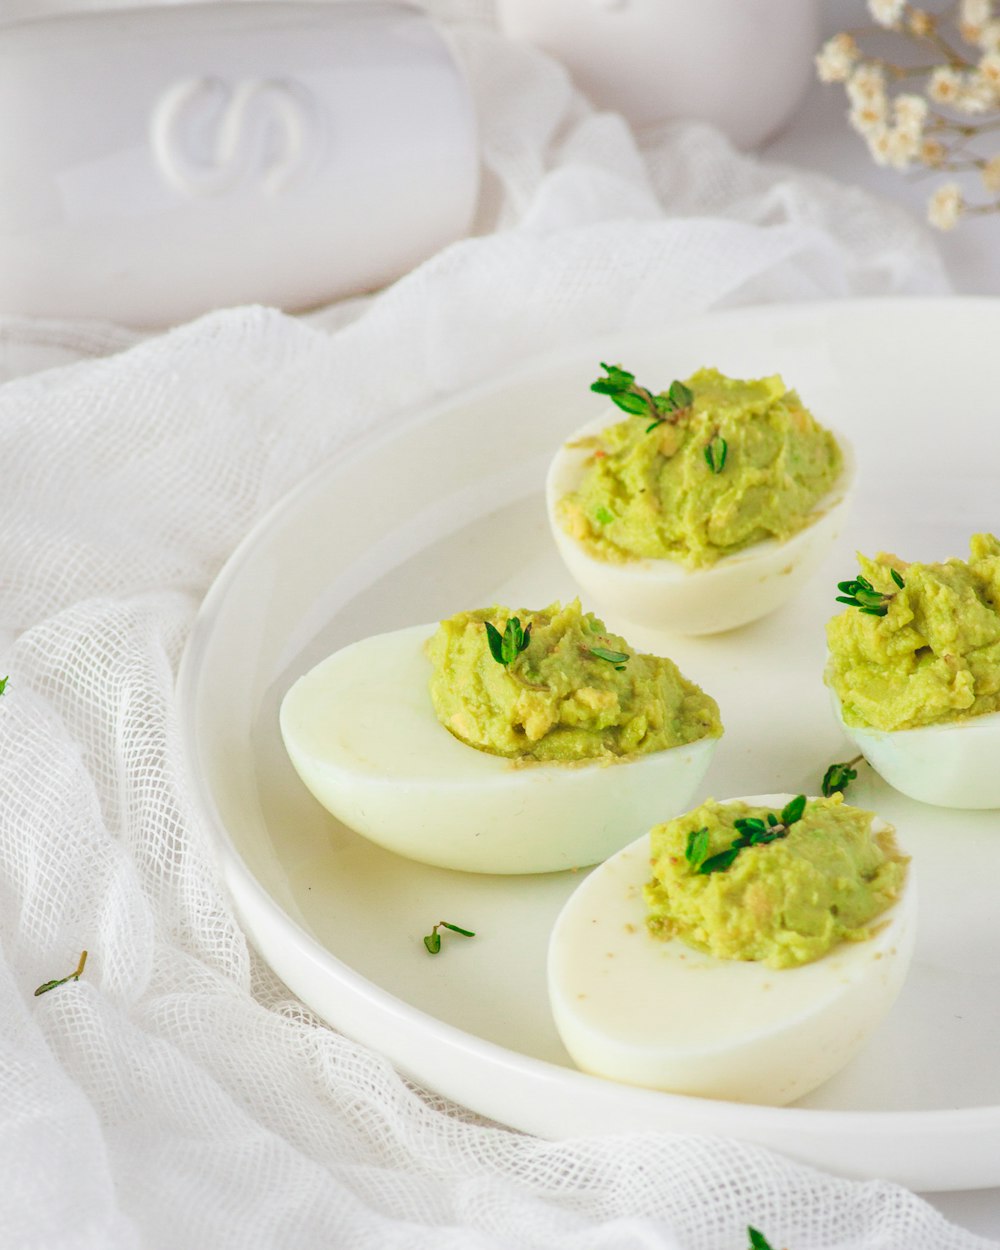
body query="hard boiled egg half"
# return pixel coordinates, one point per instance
(361, 731)
(636, 1008)
(950, 764)
(666, 594)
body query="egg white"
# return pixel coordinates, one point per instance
(953, 764)
(663, 593)
(637, 1009)
(361, 732)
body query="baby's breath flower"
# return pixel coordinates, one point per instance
(989, 70)
(837, 58)
(910, 113)
(933, 152)
(867, 85)
(989, 37)
(921, 23)
(977, 95)
(867, 118)
(945, 85)
(880, 144)
(973, 15)
(945, 206)
(886, 12)
(991, 174)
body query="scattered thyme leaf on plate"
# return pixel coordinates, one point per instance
(73, 976)
(506, 647)
(432, 940)
(838, 777)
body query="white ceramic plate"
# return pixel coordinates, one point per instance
(443, 510)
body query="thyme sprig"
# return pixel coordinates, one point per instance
(506, 647)
(73, 976)
(752, 832)
(838, 777)
(432, 940)
(638, 401)
(861, 594)
(757, 1239)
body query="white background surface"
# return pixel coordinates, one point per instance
(820, 139)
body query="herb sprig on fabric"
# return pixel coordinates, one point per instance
(752, 830)
(757, 1239)
(73, 976)
(638, 401)
(861, 594)
(838, 777)
(432, 940)
(506, 647)
(3, 684)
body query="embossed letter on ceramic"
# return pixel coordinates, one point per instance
(159, 162)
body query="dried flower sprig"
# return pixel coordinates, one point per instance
(937, 108)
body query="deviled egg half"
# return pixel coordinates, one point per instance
(914, 671)
(705, 508)
(500, 741)
(743, 951)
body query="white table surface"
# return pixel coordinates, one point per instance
(820, 139)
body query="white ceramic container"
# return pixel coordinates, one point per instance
(160, 162)
(742, 65)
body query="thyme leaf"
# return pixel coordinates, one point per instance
(506, 647)
(618, 658)
(73, 976)
(432, 940)
(715, 453)
(838, 777)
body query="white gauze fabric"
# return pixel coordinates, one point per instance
(176, 1097)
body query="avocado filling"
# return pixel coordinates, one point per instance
(568, 691)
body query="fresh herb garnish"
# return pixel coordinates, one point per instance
(433, 939)
(618, 658)
(715, 453)
(838, 777)
(604, 516)
(697, 848)
(73, 976)
(506, 647)
(861, 594)
(3, 684)
(622, 389)
(757, 1239)
(752, 832)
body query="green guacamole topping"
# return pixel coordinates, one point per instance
(561, 698)
(784, 903)
(935, 654)
(653, 493)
